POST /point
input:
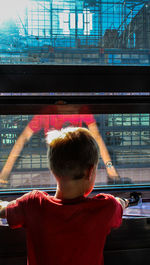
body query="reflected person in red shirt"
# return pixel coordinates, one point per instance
(50, 122)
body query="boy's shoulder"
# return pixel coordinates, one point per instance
(37, 193)
(104, 196)
(109, 205)
(106, 200)
(32, 196)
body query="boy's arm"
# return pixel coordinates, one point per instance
(112, 173)
(16, 150)
(123, 202)
(3, 205)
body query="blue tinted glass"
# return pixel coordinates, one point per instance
(106, 32)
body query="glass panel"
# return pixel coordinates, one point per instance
(126, 136)
(95, 32)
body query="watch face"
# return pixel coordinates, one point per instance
(109, 164)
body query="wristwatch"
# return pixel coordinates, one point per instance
(109, 164)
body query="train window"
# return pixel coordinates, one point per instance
(81, 32)
(126, 137)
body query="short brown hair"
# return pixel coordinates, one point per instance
(71, 151)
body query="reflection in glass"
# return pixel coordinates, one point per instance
(128, 144)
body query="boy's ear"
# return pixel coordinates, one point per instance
(90, 171)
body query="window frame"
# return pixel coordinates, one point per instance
(73, 78)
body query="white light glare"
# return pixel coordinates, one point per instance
(9, 9)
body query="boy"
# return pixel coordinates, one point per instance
(68, 228)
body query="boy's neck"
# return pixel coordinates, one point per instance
(70, 189)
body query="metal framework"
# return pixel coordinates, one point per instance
(78, 32)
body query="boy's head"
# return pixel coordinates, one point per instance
(72, 151)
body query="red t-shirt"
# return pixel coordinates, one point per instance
(59, 121)
(65, 232)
